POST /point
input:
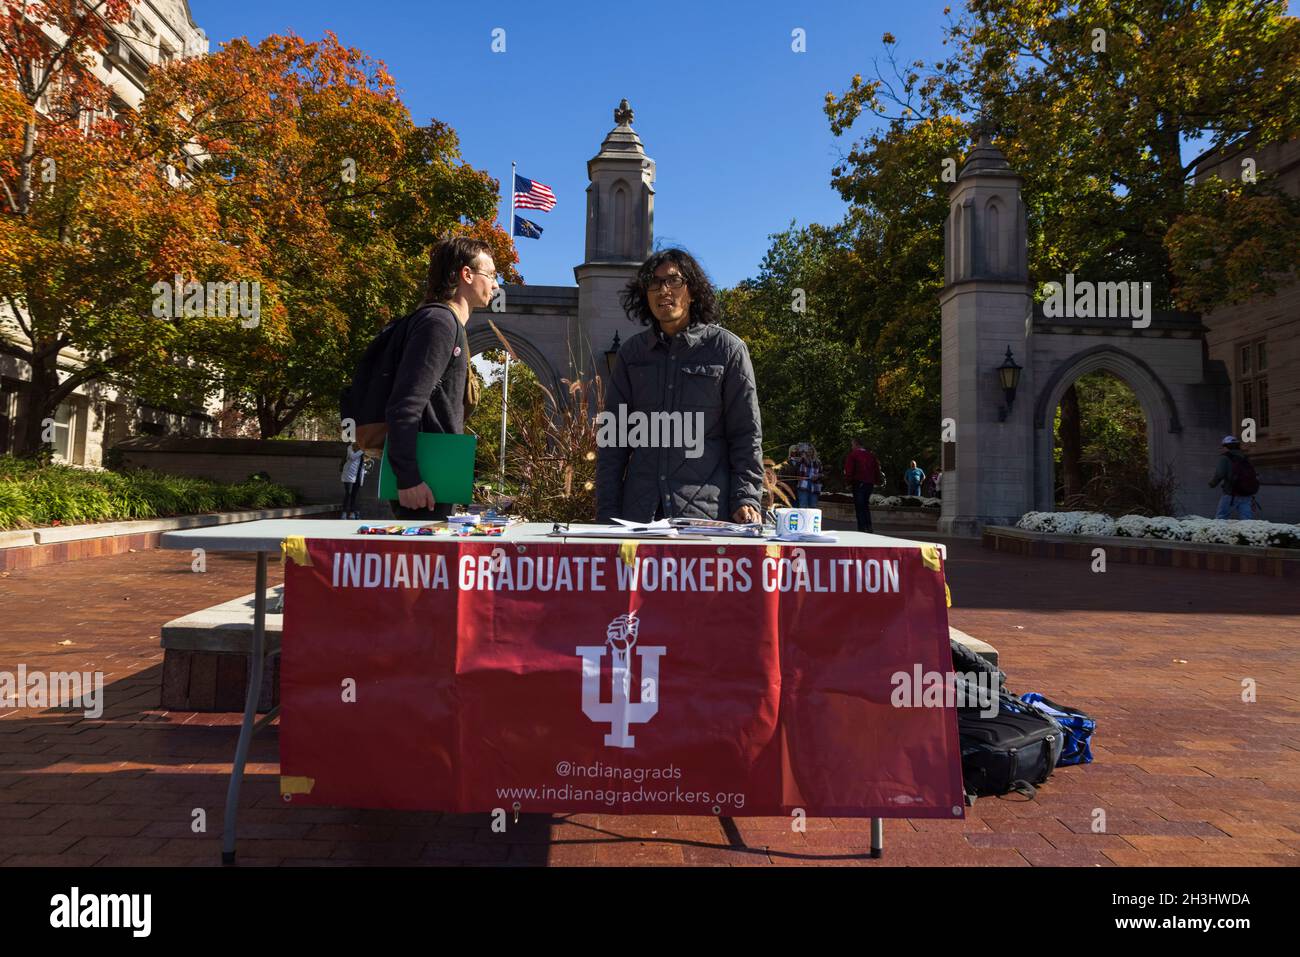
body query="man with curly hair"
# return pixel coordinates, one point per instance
(688, 364)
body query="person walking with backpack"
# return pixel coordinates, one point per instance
(414, 376)
(862, 469)
(1238, 479)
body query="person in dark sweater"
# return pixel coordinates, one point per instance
(862, 470)
(1234, 502)
(430, 381)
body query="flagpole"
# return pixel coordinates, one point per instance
(511, 227)
(505, 401)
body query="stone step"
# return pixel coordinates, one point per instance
(981, 648)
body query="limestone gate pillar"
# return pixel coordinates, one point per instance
(986, 302)
(620, 231)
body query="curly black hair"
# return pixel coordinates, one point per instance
(704, 303)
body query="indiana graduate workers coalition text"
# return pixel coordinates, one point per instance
(498, 571)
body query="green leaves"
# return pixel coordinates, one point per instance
(33, 495)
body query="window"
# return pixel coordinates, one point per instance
(62, 428)
(9, 390)
(1252, 381)
(142, 27)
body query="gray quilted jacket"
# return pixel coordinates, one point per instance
(703, 372)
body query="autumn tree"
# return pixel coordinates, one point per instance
(91, 218)
(333, 195)
(1102, 106)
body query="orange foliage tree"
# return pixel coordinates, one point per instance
(333, 195)
(90, 218)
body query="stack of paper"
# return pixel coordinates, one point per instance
(625, 529)
(705, 526)
(807, 537)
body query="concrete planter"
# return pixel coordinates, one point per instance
(834, 511)
(33, 547)
(310, 468)
(1237, 559)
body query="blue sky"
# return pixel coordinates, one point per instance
(732, 117)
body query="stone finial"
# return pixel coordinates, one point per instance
(623, 113)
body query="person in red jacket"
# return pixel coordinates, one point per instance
(861, 469)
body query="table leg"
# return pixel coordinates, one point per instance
(877, 836)
(256, 660)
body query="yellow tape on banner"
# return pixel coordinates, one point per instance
(947, 595)
(295, 547)
(930, 555)
(627, 552)
(296, 785)
(773, 550)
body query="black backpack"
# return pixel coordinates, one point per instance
(365, 400)
(1241, 476)
(1014, 750)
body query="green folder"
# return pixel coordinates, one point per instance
(446, 464)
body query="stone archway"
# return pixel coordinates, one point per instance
(1158, 407)
(997, 451)
(481, 338)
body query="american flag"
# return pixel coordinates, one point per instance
(530, 194)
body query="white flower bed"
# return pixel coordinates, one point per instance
(888, 501)
(1189, 528)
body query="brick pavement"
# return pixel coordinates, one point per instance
(1186, 772)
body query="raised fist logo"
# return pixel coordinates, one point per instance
(620, 634)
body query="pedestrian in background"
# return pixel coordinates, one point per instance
(810, 478)
(914, 477)
(862, 471)
(1238, 479)
(355, 467)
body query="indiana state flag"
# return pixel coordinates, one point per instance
(527, 228)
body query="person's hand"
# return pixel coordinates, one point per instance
(747, 514)
(417, 496)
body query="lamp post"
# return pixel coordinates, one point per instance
(611, 354)
(1008, 379)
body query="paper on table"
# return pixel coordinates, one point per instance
(625, 530)
(704, 526)
(808, 537)
(662, 523)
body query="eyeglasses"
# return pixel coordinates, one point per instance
(490, 275)
(672, 282)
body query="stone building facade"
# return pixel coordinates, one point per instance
(95, 417)
(1259, 344)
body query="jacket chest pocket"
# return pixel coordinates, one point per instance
(647, 385)
(701, 387)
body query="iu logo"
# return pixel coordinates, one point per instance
(620, 637)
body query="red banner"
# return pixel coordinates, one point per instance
(745, 679)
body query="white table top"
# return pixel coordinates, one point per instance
(265, 535)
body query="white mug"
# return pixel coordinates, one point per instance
(797, 521)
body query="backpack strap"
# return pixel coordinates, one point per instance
(1025, 788)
